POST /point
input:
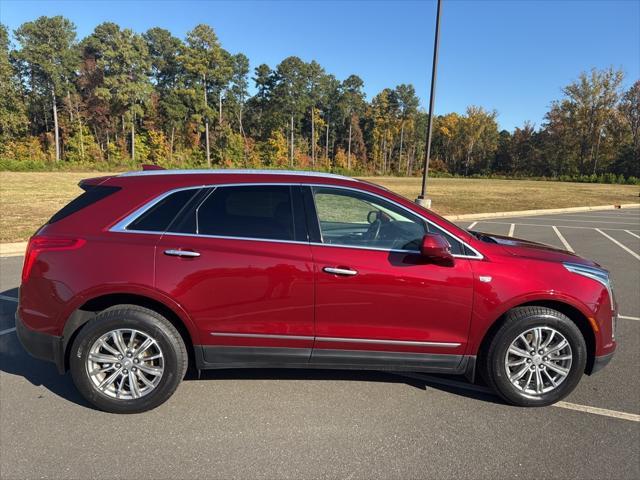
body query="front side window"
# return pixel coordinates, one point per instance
(352, 218)
(252, 211)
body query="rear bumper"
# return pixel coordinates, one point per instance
(41, 345)
(600, 362)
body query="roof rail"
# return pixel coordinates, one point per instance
(148, 167)
(302, 173)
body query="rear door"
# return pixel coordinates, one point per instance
(237, 259)
(378, 302)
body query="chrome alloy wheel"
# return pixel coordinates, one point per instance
(125, 364)
(538, 360)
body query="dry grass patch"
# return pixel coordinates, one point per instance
(28, 199)
(453, 196)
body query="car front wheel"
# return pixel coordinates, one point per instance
(536, 357)
(128, 359)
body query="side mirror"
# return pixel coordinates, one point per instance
(436, 248)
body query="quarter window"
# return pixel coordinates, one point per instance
(158, 217)
(253, 211)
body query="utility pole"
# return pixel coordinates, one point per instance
(422, 200)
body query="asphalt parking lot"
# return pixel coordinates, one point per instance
(316, 424)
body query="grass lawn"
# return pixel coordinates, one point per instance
(28, 199)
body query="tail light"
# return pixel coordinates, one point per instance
(39, 244)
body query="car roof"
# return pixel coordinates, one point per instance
(299, 173)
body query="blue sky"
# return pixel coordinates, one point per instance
(510, 55)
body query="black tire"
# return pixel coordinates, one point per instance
(146, 321)
(518, 321)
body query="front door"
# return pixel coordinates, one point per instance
(240, 264)
(378, 302)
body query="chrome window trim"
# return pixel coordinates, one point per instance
(121, 226)
(239, 171)
(411, 343)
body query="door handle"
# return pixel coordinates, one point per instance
(340, 271)
(181, 253)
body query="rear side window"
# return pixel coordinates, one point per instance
(91, 195)
(158, 217)
(253, 211)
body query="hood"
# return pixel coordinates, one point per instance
(518, 247)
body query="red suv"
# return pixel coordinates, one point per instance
(148, 271)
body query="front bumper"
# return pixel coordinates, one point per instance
(41, 345)
(600, 362)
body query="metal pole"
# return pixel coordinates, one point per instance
(421, 200)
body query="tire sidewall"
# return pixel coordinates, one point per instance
(503, 341)
(143, 321)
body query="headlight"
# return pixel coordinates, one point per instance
(598, 274)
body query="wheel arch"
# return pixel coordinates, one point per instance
(92, 306)
(572, 312)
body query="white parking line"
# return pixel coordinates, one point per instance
(8, 330)
(562, 239)
(590, 221)
(624, 247)
(472, 225)
(625, 317)
(512, 229)
(11, 299)
(598, 411)
(563, 226)
(566, 405)
(631, 233)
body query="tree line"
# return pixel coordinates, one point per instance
(120, 98)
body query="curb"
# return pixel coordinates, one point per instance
(529, 213)
(12, 249)
(18, 249)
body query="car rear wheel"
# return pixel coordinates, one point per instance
(536, 357)
(128, 359)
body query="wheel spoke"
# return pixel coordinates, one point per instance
(142, 348)
(150, 370)
(556, 348)
(131, 340)
(518, 375)
(516, 351)
(528, 381)
(109, 348)
(539, 382)
(109, 380)
(517, 362)
(553, 382)
(525, 341)
(133, 385)
(102, 358)
(99, 370)
(144, 379)
(119, 342)
(562, 371)
(536, 338)
(560, 358)
(549, 339)
(120, 385)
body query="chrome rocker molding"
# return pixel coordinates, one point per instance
(121, 226)
(410, 343)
